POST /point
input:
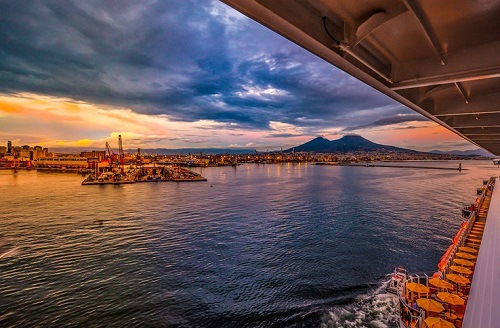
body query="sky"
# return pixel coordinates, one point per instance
(180, 74)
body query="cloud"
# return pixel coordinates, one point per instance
(173, 74)
(392, 120)
(282, 135)
(188, 60)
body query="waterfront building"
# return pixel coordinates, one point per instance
(100, 154)
(39, 152)
(20, 156)
(15, 150)
(25, 153)
(61, 163)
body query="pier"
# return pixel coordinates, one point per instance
(173, 173)
(150, 173)
(459, 168)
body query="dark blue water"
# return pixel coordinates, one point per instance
(255, 246)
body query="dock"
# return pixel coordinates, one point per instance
(158, 173)
(153, 173)
(185, 175)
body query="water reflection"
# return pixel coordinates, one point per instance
(258, 245)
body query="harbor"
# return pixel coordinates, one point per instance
(451, 297)
(112, 170)
(197, 246)
(348, 148)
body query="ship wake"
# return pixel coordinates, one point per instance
(376, 309)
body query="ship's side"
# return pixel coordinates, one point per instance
(484, 298)
(456, 292)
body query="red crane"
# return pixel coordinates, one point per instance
(116, 160)
(111, 153)
(113, 158)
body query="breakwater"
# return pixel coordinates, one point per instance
(144, 174)
(459, 168)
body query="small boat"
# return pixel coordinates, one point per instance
(399, 277)
(466, 211)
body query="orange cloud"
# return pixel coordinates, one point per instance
(70, 123)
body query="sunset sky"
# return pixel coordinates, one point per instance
(178, 74)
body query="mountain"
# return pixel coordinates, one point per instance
(472, 152)
(347, 143)
(358, 143)
(319, 145)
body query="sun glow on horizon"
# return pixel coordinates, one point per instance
(61, 122)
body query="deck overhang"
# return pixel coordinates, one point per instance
(440, 58)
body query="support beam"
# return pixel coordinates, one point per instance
(488, 139)
(462, 91)
(475, 120)
(430, 93)
(460, 68)
(346, 48)
(469, 113)
(452, 77)
(474, 131)
(368, 26)
(429, 32)
(483, 104)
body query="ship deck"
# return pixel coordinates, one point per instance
(482, 306)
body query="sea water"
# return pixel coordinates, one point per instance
(282, 245)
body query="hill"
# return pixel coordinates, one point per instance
(347, 143)
(473, 152)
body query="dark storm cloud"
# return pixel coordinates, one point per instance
(190, 60)
(283, 135)
(389, 121)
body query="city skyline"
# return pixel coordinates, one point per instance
(313, 146)
(181, 75)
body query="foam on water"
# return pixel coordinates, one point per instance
(376, 309)
(7, 249)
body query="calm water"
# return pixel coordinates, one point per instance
(255, 246)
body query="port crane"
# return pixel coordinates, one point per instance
(117, 160)
(121, 154)
(138, 158)
(111, 153)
